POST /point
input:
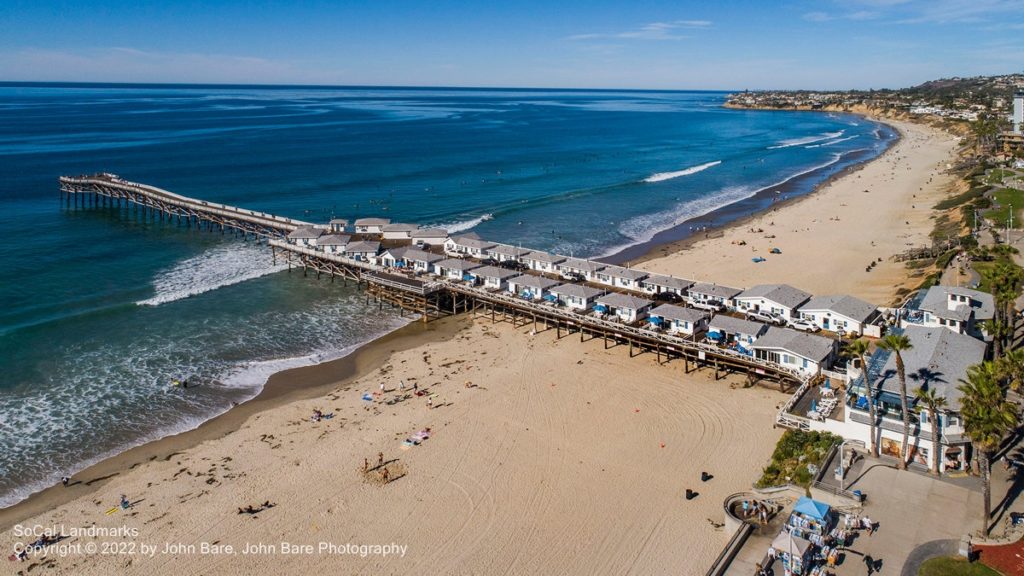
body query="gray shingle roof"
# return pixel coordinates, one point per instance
(809, 346)
(534, 281)
(673, 312)
(853, 308)
(506, 250)
(457, 264)
(937, 298)
(781, 293)
(730, 325)
(333, 240)
(577, 290)
(668, 282)
(399, 227)
(305, 233)
(938, 360)
(372, 221)
(618, 300)
(363, 247)
(582, 265)
(716, 290)
(539, 256)
(494, 272)
(472, 242)
(397, 253)
(339, 221)
(422, 256)
(625, 273)
(430, 233)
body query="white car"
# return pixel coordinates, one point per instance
(804, 325)
(764, 317)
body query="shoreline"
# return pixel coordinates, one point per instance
(281, 388)
(682, 237)
(828, 237)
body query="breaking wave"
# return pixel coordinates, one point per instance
(213, 269)
(661, 176)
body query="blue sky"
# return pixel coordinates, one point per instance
(827, 44)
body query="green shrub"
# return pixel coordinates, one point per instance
(794, 451)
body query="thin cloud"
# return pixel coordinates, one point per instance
(826, 17)
(653, 31)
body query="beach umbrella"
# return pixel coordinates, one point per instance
(601, 308)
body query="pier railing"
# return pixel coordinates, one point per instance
(116, 188)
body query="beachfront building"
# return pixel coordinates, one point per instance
(961, 310)
(467, 246)
(573, 268)
(503, 252)
(938, 360)
(576, 296)
(429, 236)
(333, 243)
(656, 284)
(678, 320)
(839, 313)
(492, 277)
(362, 251)
(371, 225)
(338, 225)
(623, 307)
(735, 332)
(393, 257)
(777, 299)
(531, 287)
(543, 261)
(619, 277)
(803, 352)
(422, 261)
(455, 268)
(305, 236)
(711, 296)
(398, 231)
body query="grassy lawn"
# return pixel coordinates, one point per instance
(954, 567)
(1004, 197)
(996, 175)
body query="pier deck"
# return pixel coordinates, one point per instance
(432, 297)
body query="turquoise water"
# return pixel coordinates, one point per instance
(103, 310)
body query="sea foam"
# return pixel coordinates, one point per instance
(806, 140)
(213, 269)
(661, 176)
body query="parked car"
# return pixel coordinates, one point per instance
(712, 306)
(765, 317)
(804, 325)
(671, 297)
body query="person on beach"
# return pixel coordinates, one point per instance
(381, 387)
(125, 504)
(64, 480)
(415, 387)
(868, 525)
(401, 385)
(385, 476)
(366, 465)
(380, 459)
(430, 403)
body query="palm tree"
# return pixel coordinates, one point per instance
(931, 402)
(988, 417)
(997, 329)
(859, 349)
(1011, 368)
(898, 343)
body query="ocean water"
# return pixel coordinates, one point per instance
(102, 310)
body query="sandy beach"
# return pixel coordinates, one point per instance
(828, 238)
(557, 457)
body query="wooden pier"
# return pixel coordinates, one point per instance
(430, 299)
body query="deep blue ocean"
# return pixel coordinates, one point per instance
(101, 310)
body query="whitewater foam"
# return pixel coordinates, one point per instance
(643, 228)
(806, 140)
(831, 142)
(463, 225)
(662, 176)
(213, 269)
